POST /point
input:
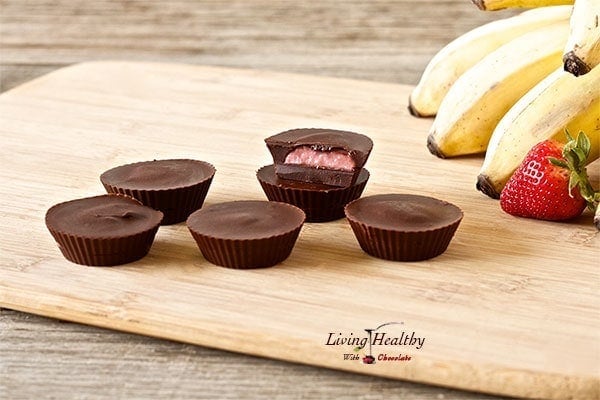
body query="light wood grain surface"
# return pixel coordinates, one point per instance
(328, 285)
(378, 40)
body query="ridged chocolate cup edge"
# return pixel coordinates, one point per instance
(399, 245)
(262, 252)
(103, 250)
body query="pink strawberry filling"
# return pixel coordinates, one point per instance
(334, 159)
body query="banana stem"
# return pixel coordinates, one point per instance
(574, 64)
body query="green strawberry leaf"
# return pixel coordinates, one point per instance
(568, 135)
(575, 154)
(574, 180)
(557, 162)
(571, 158)
(584, 144)
(581, 156)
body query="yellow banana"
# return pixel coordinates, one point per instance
(582, 52)
(466, 50)
(484, 93)
(492, 5)
(559, 102)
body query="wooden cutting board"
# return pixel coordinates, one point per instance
(511, 308)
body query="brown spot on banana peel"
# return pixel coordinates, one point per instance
(484, 185)
(574, 64)
(433, 147)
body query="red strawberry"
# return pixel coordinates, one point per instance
(550, 182)
(368, 359)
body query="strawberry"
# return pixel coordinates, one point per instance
(551, 183)
(368, 359)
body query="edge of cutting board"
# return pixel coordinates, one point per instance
(21, 293)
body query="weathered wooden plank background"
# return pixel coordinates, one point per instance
(376, 40)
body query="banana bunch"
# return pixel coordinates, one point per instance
(512, 83)
(465, 51)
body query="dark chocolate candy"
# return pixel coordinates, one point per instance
(325, 156)
(321, 203)
(103, 230)
(175, 187)
(403, 227)
(246, 234)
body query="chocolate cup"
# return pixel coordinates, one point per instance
(321, 203)
(95, 250)
(177, 202)
(400, 243)
(356, 145)
(234, 252)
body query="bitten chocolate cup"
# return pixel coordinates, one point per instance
(403, 227)
(103, 230)
(246, 234)
(321, 203)
(175, 187)
(323, 156)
